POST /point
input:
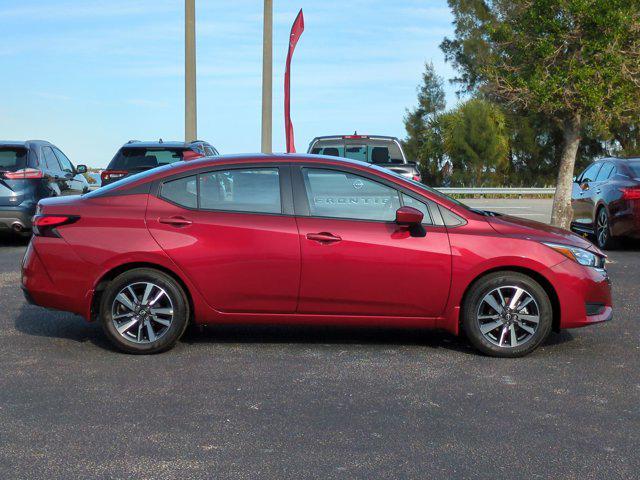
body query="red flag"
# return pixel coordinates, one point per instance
(296, 32)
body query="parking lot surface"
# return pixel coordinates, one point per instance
(276, 402)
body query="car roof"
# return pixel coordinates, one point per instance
(356, 136)
(158, 144)
(22, 143)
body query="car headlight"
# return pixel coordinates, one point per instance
(580, 255)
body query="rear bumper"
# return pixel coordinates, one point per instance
(577, 287)
(9, 216)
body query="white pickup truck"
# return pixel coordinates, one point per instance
(380, 150)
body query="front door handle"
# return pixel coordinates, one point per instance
(323, 237)
(175, 221)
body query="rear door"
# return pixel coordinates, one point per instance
(232, 231)
(355, 259)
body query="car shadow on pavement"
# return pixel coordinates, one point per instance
(41, 322)
(12, 240)
(331, 335)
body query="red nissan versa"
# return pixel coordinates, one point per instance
(305, 240)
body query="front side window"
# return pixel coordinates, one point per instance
(591, 173)
(412, 202)
(64, 161)
(338, 194)
(50, 159)
(251, 190)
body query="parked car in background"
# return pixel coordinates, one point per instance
(29, 172)
(378, 150)
(135, 157)
(310, 240)
(606, 201)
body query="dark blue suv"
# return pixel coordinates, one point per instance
(30, 171)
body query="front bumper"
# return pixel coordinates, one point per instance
(577, 288)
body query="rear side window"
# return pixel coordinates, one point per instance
(12, 159)
(183, 191)
(255, 190)
(634, 166)
(606, 172)
(132, 158)
(338, 194)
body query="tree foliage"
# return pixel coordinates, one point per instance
(424, 140)
(575, 62)
(476, 142)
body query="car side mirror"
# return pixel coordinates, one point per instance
(584, 186)
(81, 169)
(412, 218)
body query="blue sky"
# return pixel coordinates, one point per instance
(90, 75)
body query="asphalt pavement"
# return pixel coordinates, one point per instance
(330, 403)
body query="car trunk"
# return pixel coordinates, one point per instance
(12, 160)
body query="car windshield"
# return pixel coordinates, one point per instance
(12, 159)
(139, 158)
(634, 166)
(363, 149)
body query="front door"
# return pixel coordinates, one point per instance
(356, 260)
(228, 231)
(582, 196)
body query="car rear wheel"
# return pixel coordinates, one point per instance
(507, 314)
(144, 311)
(603, 231)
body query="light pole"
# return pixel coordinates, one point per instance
(190, 104)
(267, 77)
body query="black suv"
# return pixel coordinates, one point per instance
(135, 157)
(30, 171)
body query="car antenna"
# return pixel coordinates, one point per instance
(160, 141)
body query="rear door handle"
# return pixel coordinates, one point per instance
(323, 237)
(175, 221)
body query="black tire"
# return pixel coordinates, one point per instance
(604, 240)
(167, 335)
(539, 306)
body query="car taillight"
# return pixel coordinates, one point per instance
(417, 178)
(113, 174)
(45, 225)
(191, 155)
(25, 173)
(632, 193)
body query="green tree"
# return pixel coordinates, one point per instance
(423, 143)
(577, 62)
(476, 140)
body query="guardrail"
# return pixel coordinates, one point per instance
(496, 191)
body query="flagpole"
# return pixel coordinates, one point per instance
(267, 78)
(190, 103)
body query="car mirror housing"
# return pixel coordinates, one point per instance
(412, 218)
(81, 169)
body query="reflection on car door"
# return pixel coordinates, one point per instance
(355, 259)
(54, 172)
(231, 233)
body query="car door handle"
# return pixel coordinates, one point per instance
(175, 221)
(597, 191)
(323, 237)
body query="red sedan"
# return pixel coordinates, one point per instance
(305, 240)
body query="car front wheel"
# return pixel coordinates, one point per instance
(144, 311)
(507, 314)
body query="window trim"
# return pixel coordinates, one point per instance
(301, 200)
(284, 175)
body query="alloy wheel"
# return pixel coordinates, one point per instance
(142, 312)
(602, 227)
(508, 316)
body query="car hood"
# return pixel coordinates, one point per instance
(540, 232)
